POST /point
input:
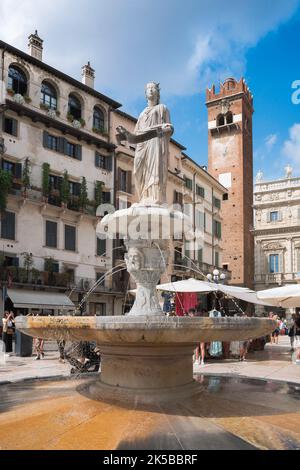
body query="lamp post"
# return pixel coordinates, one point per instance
(216, 276)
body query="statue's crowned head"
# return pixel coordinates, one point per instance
(152, 89)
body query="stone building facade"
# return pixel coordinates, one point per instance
(61, 152)
(230, 160)
(277, 231)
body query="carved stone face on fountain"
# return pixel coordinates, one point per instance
(134, 259)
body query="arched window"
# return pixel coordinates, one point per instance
(98, 119)
(17, 80)
(229, 118)
(48, 95)
(74, 107)
(220, 120)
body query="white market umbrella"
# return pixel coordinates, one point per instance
(188, 285)
(285, 296)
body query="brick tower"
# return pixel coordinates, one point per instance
(230, 160)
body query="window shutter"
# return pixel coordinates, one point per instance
(109, 162)
(8, 223)
(97, 160)
(14, 127)
(269, 217)
(200, 255)
(78, 152)
(280, 263)
(101, 246)
(119, 179)
(18, 170)
(70, 238)
(45, 139)
(15, 262)
(61, 144)
(128, 181)
(51, 234)
(279, 216)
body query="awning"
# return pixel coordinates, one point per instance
(22, 298)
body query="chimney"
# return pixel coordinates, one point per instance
(88, 75)
(35, 46)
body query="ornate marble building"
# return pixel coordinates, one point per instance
(277, 230)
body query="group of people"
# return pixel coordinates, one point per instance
(215, 348)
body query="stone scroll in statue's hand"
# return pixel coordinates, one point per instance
(155, 131)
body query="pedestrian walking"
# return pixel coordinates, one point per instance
(39, 348)
(244, 346)
(61, 348)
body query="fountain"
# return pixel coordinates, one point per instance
(145, 355)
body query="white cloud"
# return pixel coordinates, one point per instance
(185, 45)
(270, 141)
(291, 147)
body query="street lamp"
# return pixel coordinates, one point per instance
(216, 276)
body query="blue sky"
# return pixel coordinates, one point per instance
(186, 45)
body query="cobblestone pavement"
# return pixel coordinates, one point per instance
(273, 363)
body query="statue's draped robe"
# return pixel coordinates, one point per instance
(151, 157)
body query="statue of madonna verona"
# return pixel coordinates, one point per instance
(152, 136)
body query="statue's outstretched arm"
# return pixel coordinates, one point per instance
(159, 130)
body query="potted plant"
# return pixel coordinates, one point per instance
(35, 275)
(49, 270)
(70, 117)
(45, 181)
(44, 106)
(27, 262)
(23, 275)
(83, 197)
(5, 186)
(65, 189)
(10, 91)
(27, 98)
(82, 122)
(26, 177)
(98, 193)
(57, 112)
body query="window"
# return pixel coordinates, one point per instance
(17, 80)
(74, 107)
(8, 225)
(217, 259)
(217, 203)
(102, 276)
(274, 216)
(100, 309)
(101, 246)
(200, 219)
(48, 95)
(200, 191)
(103, 161)
(71, 149)
(52, 266)
(74, 188)
(10, 126)
(217, 229)
(220, 120)
(124, 180)
(106, 197)
(188, 183)
(200, 255)
(229, 118)
(54, 182)
(70, 238)
(52, 142)
(178, 197)
(98, 119)
(274, 263)
(15, 169)
(51, 234)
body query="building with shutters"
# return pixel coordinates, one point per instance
(277, 231)
(61, 152)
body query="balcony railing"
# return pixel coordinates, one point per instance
(15, 276)
(276, 278)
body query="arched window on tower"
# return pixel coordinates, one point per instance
(48, 95)
(17, 80)
(98, 119)
(220, 120)
(229, 118)
(74, 107)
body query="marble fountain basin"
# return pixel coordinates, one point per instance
(149, 358)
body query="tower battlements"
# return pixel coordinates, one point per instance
(229, 88)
